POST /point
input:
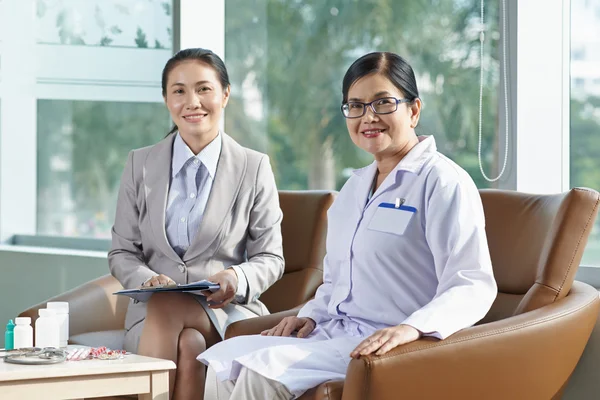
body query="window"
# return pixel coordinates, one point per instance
(84, 135)
(287, 60)
(585, 108)
(82, 147)
(84, 89)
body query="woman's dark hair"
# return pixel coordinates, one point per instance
(196, 54)
(390, 65)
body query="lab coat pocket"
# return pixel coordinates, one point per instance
(392, 218)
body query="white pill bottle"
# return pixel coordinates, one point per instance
(62, 317)
(23, 333)
(47, 332)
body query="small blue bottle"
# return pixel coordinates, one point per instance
(9, 336)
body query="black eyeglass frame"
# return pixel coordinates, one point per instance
(398, 101)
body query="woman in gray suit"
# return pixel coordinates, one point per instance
(194, 206)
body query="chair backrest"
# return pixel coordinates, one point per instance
(304, 228)
(536, 244)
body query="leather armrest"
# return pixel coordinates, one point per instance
(254, 326)
(527, 356)
(330, 390)
(92, 306)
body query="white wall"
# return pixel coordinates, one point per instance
(29, 278)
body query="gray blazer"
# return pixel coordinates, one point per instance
(241, 224)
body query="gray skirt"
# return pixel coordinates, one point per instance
(221, 318)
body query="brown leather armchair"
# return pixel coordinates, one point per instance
(97, 316)
(530, 341)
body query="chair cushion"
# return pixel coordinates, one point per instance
(112, 339)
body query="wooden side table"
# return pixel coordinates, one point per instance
(145, 376)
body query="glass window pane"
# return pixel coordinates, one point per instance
(119, 23)
(585, 107)
(99, 98)
(82, 147)
(287, 60)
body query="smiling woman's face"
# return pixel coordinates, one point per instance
(380, 134)
(195, 99)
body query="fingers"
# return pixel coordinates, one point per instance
(281, 327)
(159, 280)
(216, 296)
(278, 329)
(307, 328)
(392, 342)
(288, 325)
(151, 282)
(400, 335)
(226, 290)
(385, 340)
(371, 344)
(221, 297)
(220, 294)
(269, 332)
(224, 294)
(165, 280)
(221, 304)
(291, 327)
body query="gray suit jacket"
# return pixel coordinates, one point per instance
(241, 224)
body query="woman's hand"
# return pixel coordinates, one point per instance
(385, 340)
(304, 326)
(228, 281)
(159, 280)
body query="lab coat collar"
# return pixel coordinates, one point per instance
(413, 162)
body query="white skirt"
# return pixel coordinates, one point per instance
(299, 364)
(223, 317)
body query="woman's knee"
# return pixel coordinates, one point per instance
(191, 342)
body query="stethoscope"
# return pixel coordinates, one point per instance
(35, 356)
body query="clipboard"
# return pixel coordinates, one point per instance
(143, 294)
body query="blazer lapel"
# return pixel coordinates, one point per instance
(157, 172)
(231, 169)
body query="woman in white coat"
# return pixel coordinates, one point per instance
(407, 254)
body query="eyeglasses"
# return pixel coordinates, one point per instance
(387, 105)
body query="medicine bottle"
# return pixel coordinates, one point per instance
(9, 336)
(47, 333)
(62, 317)
(23, 333)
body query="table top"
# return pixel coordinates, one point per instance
(129, 363)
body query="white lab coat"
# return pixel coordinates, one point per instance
(421, 259)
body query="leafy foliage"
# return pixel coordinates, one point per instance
(140, 38)
(296, 53)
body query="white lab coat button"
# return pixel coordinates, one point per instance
(181, 268)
